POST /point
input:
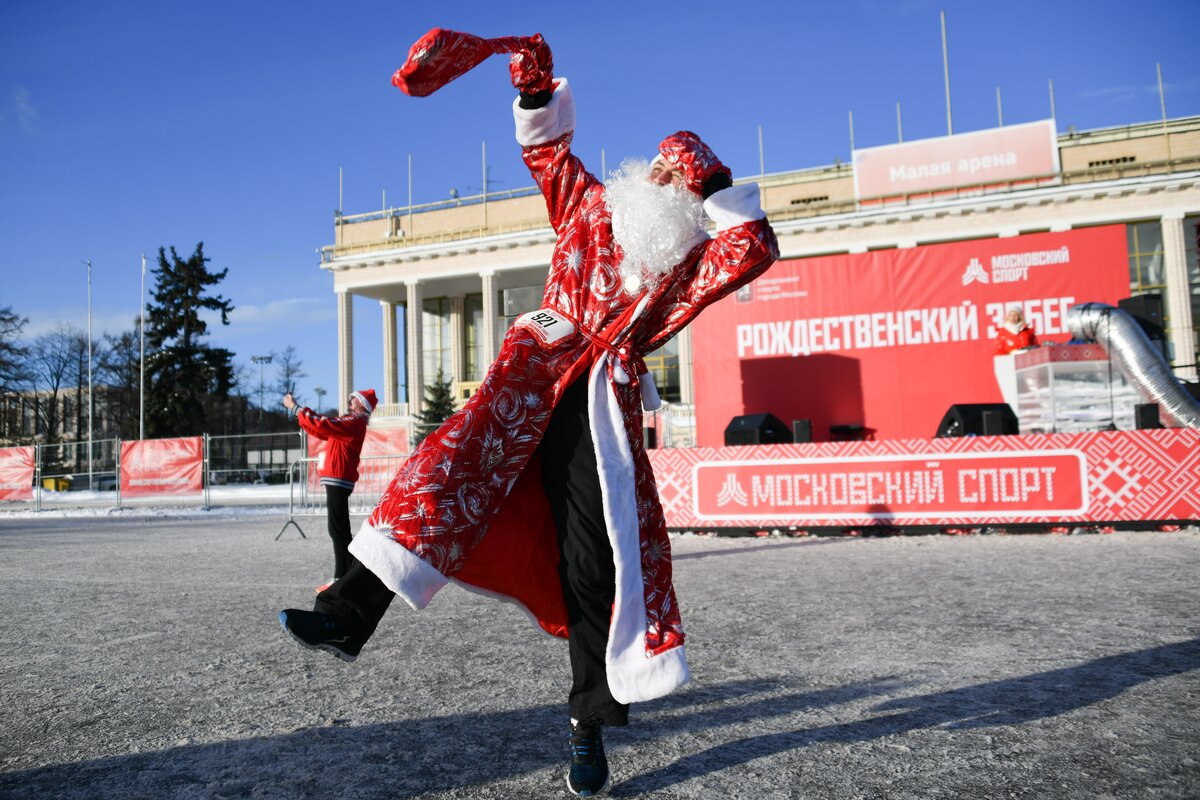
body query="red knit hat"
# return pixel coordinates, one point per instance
(367, 398)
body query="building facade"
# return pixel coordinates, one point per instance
(464, 269)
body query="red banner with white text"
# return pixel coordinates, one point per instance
(379, 442)
(162, 467)
(889, 339)
(1109, 476)
(16, 473)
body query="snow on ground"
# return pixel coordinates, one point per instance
(146, 661)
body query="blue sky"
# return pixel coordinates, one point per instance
(127, 126)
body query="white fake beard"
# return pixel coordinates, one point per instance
(1014, 329)
(656, 226)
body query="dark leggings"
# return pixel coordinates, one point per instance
(586, 572)
(337, 503)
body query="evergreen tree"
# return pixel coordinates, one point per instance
(184, 374)
(436, 408)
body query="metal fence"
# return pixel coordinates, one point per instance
(306, 495)
(76, 473)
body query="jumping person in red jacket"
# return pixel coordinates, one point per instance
(338, 466)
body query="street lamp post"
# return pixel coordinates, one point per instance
(261, 361)
(319, 391)
(91, 477)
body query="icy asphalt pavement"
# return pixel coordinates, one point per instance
(145, 660)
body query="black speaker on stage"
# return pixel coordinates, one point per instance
(1145, 416)
(1147, 310)
(978, 419)
(801, 431)
(650, 438)
(757, 429)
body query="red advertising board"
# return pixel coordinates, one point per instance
(1117, 476)
(997, 157)
(16, 473)
(162, 467)
(379, 442)
(890, 339)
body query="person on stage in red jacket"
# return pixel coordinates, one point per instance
(338, 466)
(1014, 334)
(539, 489)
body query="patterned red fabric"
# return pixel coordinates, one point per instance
(532, 69)
(687, 153)
(452, 491)
(442, 55)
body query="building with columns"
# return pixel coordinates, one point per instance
(464, 268)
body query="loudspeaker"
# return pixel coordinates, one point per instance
(1145, 416)
(756, 429)
(650, 438)
(801, 430)
(978, 419)
(1147, 310)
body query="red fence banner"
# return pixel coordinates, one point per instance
(379, 442)
(16, 473)
(997, 157)
(889, 339)
(1098, 477)
(162, 467)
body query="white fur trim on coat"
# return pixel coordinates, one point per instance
(540, 125)
(409, 576)
(733, 206)
(633, 674)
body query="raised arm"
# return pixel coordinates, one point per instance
(544, 113)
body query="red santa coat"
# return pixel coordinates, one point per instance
(338, 464)
(1009, 342)
(468, 504)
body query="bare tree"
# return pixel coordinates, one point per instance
(291, 369)
(56, 361)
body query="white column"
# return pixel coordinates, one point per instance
(489, 318)
(1178, 299)
(345, 307)
(391, 385)
(457, 362)
(686, 385)
(414, 353)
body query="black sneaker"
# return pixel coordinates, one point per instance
(589, 768)
(317, 631)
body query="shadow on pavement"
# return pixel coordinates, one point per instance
(1004, 702)
(408, 758)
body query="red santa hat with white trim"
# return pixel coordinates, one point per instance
(367, 398)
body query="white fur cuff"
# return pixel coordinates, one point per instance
(731, 207)
(409, 576)
(540, 125)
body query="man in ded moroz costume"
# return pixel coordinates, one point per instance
(539, 490)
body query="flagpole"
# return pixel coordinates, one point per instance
(142, 357)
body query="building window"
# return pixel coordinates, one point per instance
(663, 364)
(1145, 257)
(435, 339)
(1191, 243)
(473, 321)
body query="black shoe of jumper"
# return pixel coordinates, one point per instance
(317, 631)
(588, 775)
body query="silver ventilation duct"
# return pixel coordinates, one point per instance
(1131, 350)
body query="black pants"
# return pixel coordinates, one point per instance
(337, 504)
(586, 571)
(572, 483)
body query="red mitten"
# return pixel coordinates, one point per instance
(685, 152)
(532, 67)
